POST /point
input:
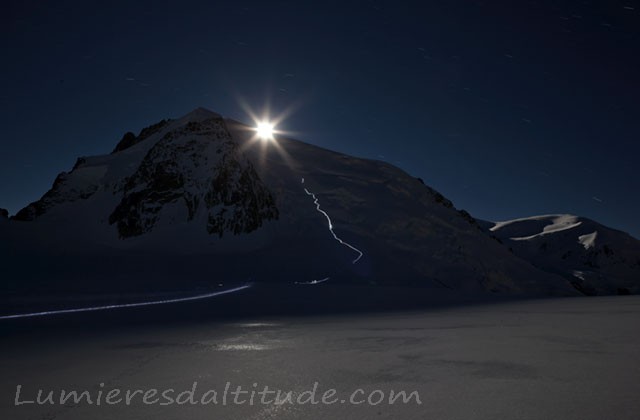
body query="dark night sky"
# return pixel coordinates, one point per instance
(510, 109)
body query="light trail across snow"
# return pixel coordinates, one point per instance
(315, 201)
(313, 281)
(127, 305)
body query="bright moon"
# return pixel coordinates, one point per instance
(265, 130)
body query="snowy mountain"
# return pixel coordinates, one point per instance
(594, 258)
(197, 201)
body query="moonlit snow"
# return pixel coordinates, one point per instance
(565, 359)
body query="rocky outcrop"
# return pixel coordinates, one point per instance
(196, 167)
(129, 139)
(4, 214)
(237, 201)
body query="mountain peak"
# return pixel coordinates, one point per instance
(199, 114)
(594, 258)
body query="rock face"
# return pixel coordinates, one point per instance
(199, 167)
(595, 259)
(199, 198)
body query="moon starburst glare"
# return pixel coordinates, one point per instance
(265, 130)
